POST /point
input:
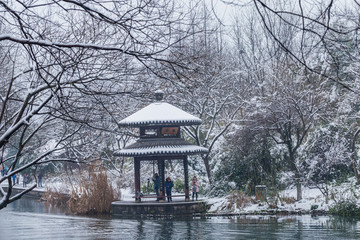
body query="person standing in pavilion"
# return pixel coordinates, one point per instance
(195, 188)
(168, 187)
(156, 180)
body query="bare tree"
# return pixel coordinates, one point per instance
(287, 110)
(319, 27)
(326, 155)
(69, 59)
(207, 87)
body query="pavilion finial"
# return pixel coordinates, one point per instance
(159, 95)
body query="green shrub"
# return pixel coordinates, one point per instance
(346, 208)
(314, 207)
(179, 186)
(221, 188)
(147, 188)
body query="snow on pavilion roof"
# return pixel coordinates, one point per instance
(160, 113)
(160, 147)
(162, 151)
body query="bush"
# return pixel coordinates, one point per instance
(346, 208)
(314, 207)
(93, 196)
(147, 188)
(179, 186)
(237, 199)
(287, 199)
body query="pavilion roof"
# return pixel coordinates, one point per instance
(160, 113)
(160, 147)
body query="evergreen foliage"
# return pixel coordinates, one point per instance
(179, 186)
(345, 208)
(147, 188)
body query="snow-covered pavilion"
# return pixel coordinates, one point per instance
(160, 140)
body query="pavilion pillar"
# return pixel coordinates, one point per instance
(186, 180)
(161, 168)
(137, 179)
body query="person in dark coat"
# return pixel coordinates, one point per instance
(40, 177)
(156, 184)
(168, 186)
(14, 179)
(25, 179)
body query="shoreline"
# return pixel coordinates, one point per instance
(267, 213)
(38, 193)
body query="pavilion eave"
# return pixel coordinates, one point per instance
(162, 151)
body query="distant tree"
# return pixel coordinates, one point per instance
(319, 27)
(326, 156)
(287, 110)
(328, 37)
(208, 87)
(247, 159)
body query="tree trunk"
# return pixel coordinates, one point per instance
(298, 191)
(355, 167)
(298, 187)
(207, 167)
(122, 165)
(353, 155)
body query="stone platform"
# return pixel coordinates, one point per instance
(35, 193)
(158, 209)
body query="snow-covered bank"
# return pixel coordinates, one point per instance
(313, 201)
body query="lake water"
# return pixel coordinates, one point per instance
(30, 219)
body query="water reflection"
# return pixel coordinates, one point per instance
(343, 223)
(140, 230)
(34, 205)
(30, 219)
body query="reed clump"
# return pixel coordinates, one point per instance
(94, 195)
(237, 199)
(55, 198)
